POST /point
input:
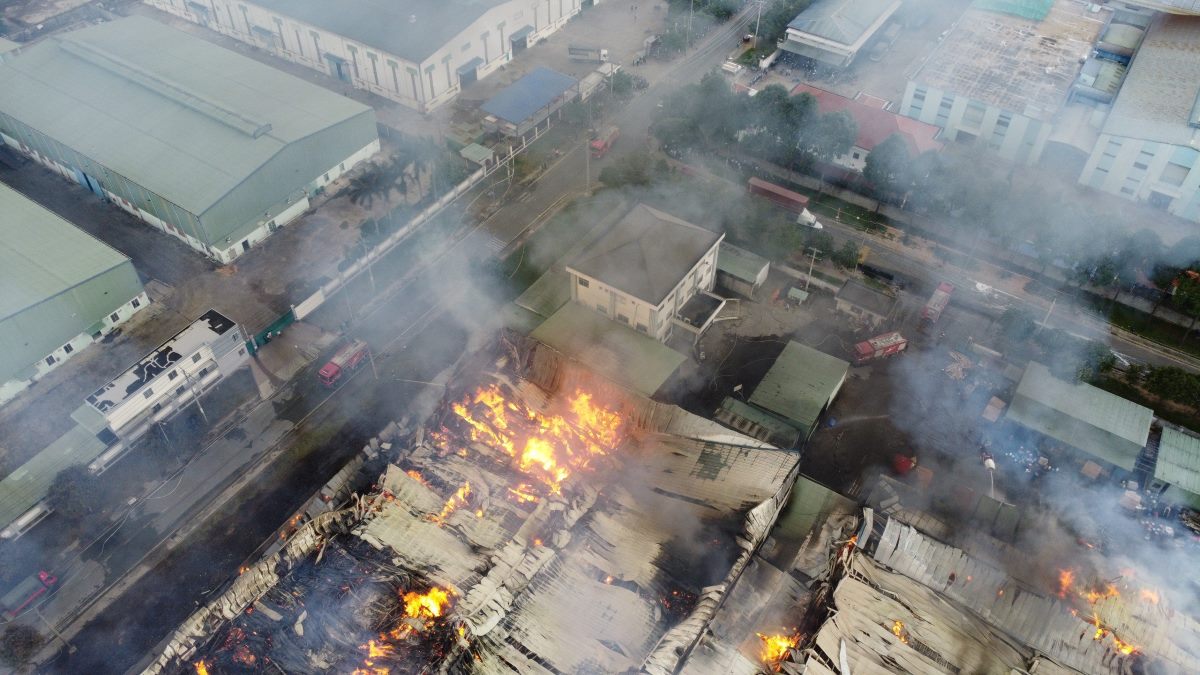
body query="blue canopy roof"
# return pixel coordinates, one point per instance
(521, 99)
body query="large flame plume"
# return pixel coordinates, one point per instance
(421, 613)
(201, 668)
(776, 649)
(547, 449)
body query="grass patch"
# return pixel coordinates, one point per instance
(1145, 325)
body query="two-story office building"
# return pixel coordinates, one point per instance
(169, 378)
(650, 272)
(419, 53)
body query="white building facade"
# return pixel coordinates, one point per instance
(419, 54)
(612, 279)
(1014, 136)
(169, 378)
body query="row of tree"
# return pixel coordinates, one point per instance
(773, 125)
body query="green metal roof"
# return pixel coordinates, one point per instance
(613, 350)
(740, 263)
(57, 281)
(799, 384)
(22, 489)
(199, 125)
(1082, 416)
(1035, 10)
(1179, 461)
(776, 427)
(8, 45)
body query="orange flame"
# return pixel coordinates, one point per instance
(1066, 579)
(456, 500)
(547, 448)
(201, 668)
(416, 475)
(1149, 595)
(522, 494)
(898, 631)
(776, 648)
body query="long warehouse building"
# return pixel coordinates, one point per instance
(419, 53)
(203, 143)
(60, 289)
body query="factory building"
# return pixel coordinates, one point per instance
(833, 32)
(419, 53)
(1003, 73)
(204, 144)
(1147, 149)
(62, 290)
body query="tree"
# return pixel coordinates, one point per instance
(888, 166)
(847, 255)
(1187, 300)
(74, 492)
(10, 563)
(622, 84)
(19, 644)
(832, 135)
(1016, 324)
(377, 182)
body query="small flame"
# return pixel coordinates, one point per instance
(416, 475)
(898, 631)
(201, 668)
(608, 579)
(456, 500)
(522, 494)
(537, 542)
(1149, 595)
(776, 649)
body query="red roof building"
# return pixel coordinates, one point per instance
(874, 125)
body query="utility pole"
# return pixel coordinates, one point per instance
(195, 394)
(371, 358)
(688, 42)
(811, 263)
(758, 21)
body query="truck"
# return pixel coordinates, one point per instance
(604, 142)
(587, 54)
(346, 360)
(25, 593)
(932, 311)
(878, 347)
(792, 201)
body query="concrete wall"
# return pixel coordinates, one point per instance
(1161, 174)
(1015, 137)
(423, 86)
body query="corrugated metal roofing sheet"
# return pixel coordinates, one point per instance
(613, 350)
(842, 21)
(1179, 460)
(22, 489)
(740, 263)
(799, 384)
(520, 100)
(1082, 416)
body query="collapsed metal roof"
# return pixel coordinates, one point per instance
(616, 567)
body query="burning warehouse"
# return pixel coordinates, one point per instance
(519, 531)
(893, 599)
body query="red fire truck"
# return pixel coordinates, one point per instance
(879, 347)
(932, 311)
(23, 594)
(604, 142)
(347, 359)
(792, 201)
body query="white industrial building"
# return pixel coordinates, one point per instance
(1004, 72)
(60, 290)
(203, 143)
(169, 378)
(651, 272)
(1150, 142)
(833, 32)
(419, 53)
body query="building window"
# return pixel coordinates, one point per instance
(1126, 190)
(203, 372)
(135, 303)
(583, 282)
(466, 47)
(1174, 174)
(918, 95)
(601, 308)
(623, 319)
(67, 348)
(172, 375)
(148, 393)
(179, 391)
(643, 328)
(854, 155)
(196, 358)
(50, 360)
(114, 317)
(1140, 166)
